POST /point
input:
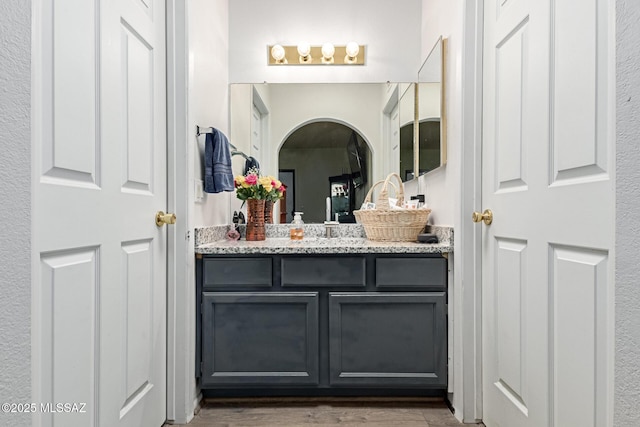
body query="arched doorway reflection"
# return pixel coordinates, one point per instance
(324, 159)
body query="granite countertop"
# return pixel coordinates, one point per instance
(350, 239)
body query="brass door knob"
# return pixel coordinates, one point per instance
(165, 218)
(486, 216)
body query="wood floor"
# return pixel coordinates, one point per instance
(324, 413)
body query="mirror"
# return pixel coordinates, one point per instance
(263, 116)
(431, 132)
(407, 132)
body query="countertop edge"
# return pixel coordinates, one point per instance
(210, 241)
(391, 248)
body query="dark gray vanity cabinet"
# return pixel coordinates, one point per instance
(321, 323)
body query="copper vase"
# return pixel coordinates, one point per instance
(255, 219)
(268, 212)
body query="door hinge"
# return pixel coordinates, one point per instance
(188, 236)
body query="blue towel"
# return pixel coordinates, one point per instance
(218, 176)
(251, 163)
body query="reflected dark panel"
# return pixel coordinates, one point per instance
(406, 152)
(429, 147)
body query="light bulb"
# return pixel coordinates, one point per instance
(304, 49)
(277, 52)
(352, 49)
(327, 52)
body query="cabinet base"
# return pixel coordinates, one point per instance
(324, 392)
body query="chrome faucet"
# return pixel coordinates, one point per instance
(328, 226)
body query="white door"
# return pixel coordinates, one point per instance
(99, 292)
(393, 155)
(547, 165)
(256, 134)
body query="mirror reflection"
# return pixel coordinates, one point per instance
(431, 132)
(323, 140)
(324, 159)
(407, 132)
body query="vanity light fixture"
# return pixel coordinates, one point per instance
(328, 54)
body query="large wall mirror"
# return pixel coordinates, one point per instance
(325, 139)
(432, 124)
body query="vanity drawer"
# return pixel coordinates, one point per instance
(238, 272)
(323, 271)
(411, 272)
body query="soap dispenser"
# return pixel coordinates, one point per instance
(296, 232)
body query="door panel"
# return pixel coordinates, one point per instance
(578, 308)
(137, 342)
(580, 130)
(256, 133)
(510, 282)
(69, 321)
(510, 69)
(99, 322)
(137, 104)
(73, 95)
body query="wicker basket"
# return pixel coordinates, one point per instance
(386, 224)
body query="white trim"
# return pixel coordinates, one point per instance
(469, 242)
(180, 319)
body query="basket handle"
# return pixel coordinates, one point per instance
(383, 198)
(367, 198)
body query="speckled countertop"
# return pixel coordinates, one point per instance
(350, 239)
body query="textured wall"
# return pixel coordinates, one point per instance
(627, 375)
(15, 209)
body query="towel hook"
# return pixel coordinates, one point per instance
(202, 131)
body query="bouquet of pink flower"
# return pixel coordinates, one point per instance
(254, 186)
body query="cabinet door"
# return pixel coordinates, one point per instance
(259, 339)
(392, 339)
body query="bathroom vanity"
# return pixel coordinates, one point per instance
(321, 317)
